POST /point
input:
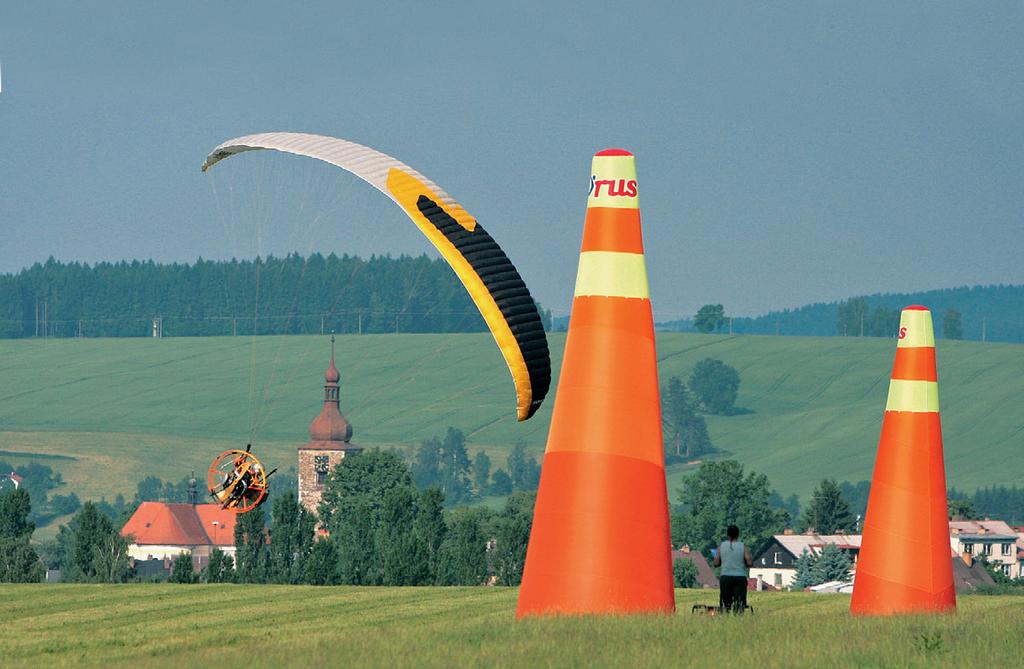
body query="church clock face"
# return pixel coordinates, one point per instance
(320, 464)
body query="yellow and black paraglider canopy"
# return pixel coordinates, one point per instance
(489, 276)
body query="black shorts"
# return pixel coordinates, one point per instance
(733, 593)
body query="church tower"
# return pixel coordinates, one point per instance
(329, 435)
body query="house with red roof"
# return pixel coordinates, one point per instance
(705, 574)
(162, 531)
(15, 479)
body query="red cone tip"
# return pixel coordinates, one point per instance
(613, 152)
(915, 307)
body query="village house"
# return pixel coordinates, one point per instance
(970, 540)
(161, 531)
(992, 539)
(1020, 550)
(15, 479)
(705, 574)
(968, 573)
(775, 563)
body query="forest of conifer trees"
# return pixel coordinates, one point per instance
(290, 295)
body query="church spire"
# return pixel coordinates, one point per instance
(331, 425)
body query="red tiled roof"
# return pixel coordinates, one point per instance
(158, 523)
(222, 534)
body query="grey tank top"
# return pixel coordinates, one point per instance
(732, 558)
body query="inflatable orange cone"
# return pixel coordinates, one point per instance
(905, 564)
(600, 538)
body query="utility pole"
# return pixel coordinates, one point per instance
(321, 323)
(730, 326)
(234, 326)
(79, 328)
(984, 323)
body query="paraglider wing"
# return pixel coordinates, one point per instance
(490, 278)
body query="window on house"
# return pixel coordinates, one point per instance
(778, 580)
(987, 549)
(321, 478)
(969, 549)
(1006, 549)
(776, 558)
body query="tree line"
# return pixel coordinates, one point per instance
(290, 295)
(444, 463)
(988, 313)
(381, 530)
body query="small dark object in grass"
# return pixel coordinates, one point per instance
(708, 610)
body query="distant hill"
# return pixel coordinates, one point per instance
(118, 410)
(996, 311)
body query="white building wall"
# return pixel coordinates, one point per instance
(150, 551)
(778, 578)
(998, 555)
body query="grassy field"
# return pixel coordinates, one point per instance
(120, 409)
(271, 626)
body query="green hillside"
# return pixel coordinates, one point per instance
(120, 409)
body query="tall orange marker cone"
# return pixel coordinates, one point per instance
(600, 539)
(904, 564)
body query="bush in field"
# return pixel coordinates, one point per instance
(684, 573)
(183, 570)
(462, 559)
(512, 535)
(716, 385)
(831, 564)
(220, 569)
(322, 566)
(94, 550)
(19, 562)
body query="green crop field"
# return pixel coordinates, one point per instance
(298, 626)
(115, 410)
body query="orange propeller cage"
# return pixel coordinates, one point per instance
(226, 472)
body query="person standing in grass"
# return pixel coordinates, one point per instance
(734, 559)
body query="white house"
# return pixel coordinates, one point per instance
(992, 539)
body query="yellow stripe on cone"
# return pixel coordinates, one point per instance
(612, 274)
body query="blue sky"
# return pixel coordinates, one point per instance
(788, 152)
